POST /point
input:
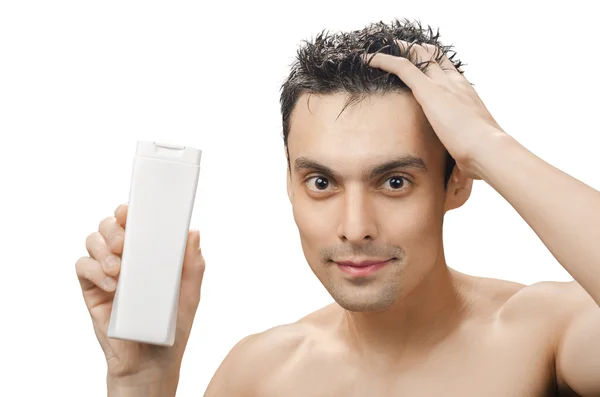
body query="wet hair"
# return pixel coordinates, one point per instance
(331, 63)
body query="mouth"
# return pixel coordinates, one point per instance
(362, 269)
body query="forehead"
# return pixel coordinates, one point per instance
(377, 125)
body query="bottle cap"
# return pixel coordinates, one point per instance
(166, 151)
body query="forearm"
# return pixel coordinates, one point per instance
(563, 211)
(165, 387)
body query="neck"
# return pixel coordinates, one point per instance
(420, 318)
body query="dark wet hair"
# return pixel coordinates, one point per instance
(331, 63)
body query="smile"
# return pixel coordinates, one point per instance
(362, 271)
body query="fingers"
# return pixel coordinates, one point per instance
(402, 67)
(447, 65)
(428, 52)
(97, 247)
(193, 269)
(90, 274)
(439, 68)
(113, 233)
(193, 262)
(121, 214)
(451, 74)
(443, 69)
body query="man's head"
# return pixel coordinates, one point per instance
(368, 178)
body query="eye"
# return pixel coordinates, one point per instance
(321, 183)
(397, 182)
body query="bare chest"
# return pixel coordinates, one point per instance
(490, 367)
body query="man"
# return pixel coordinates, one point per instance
(379, 148)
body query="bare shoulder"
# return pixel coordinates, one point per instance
(254, 358)
(539, 301)
(275, 345)
(554, 301)
(550, 296)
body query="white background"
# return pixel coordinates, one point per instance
(82, 81)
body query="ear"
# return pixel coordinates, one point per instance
(458, 190)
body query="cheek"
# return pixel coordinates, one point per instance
(415, 224)
(313, 221)
(314, 229)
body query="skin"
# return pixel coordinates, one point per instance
(415, 327)
(136, 369)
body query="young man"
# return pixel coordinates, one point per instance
(379, 148)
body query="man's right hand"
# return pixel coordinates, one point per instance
(133, 365)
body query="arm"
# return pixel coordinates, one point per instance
(565, 214)
(578, 351)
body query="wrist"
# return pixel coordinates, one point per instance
(142, 384)
(495, 149)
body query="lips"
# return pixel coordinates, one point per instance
(363, 263)
(361, 269)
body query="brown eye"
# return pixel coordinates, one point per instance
(397, 182)
(320, 183)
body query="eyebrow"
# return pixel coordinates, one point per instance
(409, 161)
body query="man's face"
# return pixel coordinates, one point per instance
(351, 215)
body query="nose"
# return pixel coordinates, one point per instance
(357, 223)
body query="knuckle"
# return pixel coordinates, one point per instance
(120, 208)
(400, 63)
(115, 240)
(96, 237)
(84, 267)
(90, 239)
(80, 263)
(93, 241)
(118, 231)
(438, 85)
(112, 263)
(444, 87)
(105, 223)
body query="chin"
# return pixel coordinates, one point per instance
(364, 301)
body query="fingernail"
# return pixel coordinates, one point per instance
(109, 283)
(112, 261)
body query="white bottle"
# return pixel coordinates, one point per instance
(161, 200)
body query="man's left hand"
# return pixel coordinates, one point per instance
(456, 113)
